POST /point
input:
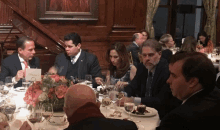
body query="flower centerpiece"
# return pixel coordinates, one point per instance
(51, 89)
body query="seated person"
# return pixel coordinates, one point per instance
(192, 80)
(75, 62)
(149, 85)
(16, 64)
(84, 114)
(121, 72)
(167, 42)
(189, 44)
(145, 35)
(205, 44)
(134, 47)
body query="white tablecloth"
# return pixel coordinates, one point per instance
(150, 123)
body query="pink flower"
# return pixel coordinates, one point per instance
(55, 78)
(60, 91)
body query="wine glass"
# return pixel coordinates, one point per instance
(34, 117)
(129, 106)
(47, 111)
(9, 109)
(106, 101)
(8, 82)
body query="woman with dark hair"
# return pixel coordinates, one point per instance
(189, 44)
(206, 45)
(120, 72)
(145, 34)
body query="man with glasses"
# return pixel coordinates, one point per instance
(149, 85)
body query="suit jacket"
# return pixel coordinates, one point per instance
(103, 124)
(88, 64)
(12, 64)
(162, 98)
(134, 49)
(199, 112)
(89, 117)
(167, 54)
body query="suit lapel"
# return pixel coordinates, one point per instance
(17, 62)
(157, 72)
(32, 63)
(81, 64)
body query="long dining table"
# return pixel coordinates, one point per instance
(147, 122)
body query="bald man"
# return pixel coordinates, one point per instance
(134, 47)
(84, 114)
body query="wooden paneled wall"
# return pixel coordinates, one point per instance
(118, 21)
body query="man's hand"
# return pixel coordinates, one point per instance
(99, 80)
(25, 126)
(121, 84)
(20, 74)
(3, 125)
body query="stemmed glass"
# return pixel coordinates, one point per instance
(47, 111)
(2, 90)
(8, 82)
(9, 109)
(35, 116)
(129, 107)
(88, 79)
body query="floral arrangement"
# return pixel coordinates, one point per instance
(51, 89)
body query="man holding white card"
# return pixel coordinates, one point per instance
(16, 64)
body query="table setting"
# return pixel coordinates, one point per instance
(41, 103)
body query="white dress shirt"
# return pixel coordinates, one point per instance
(75, 58)
(22, 66)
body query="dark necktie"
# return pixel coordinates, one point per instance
(148, 85)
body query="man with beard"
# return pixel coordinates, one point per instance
(149, 85)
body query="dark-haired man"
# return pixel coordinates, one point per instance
(76, 62)
(16, 64)
(192, 80)
(149, 85)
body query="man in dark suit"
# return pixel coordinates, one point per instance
(149, 85)
(76, 62)
(134, 47)
(84, 114)
(192, 80)
(16, 64)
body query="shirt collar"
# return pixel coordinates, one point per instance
(191, 96)
(21, 59)
(135, 43)
(75, 58)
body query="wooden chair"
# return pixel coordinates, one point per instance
(130, 58)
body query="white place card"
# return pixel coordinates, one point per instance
(33, 74)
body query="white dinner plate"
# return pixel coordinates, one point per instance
(57, 121)
(151, 112)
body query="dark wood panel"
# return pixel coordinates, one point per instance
(5, 13)
(118, 20)
(218, 27)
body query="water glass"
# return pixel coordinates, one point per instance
(88, 79)
(9, 109)
(47, 111)
(129, 107)
(8, 82)
(25, 83)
